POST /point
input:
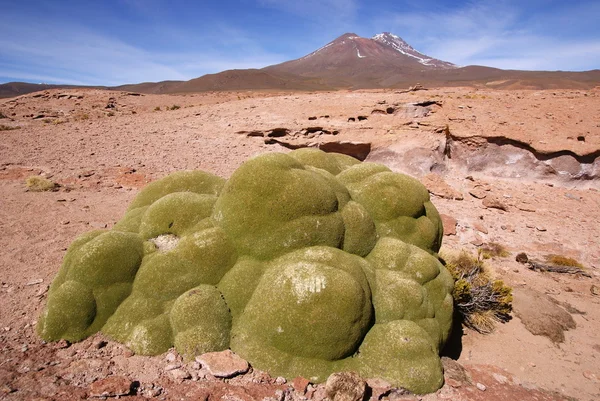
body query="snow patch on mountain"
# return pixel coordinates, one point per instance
(398, 44)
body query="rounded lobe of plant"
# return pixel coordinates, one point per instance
(285, 207)
(304, 263)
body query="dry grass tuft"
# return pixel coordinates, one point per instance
(37, 183)
(493, 250)
(8, 127)
(561, 260)
(481, 300)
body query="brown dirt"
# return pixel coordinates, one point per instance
(101, 157)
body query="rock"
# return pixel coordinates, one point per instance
(180, 375)
(379, 388)
(500, 378)
(113, 386)
(345, 386)
(494, 203)
(171, 357)
(455, 371)
(62, 344)
(540, 315)
(223, 364)
(437, 186)
(449, 224)
(594, 290)
(481, 387)
(478, 241)
(300, 384)
(480, 227)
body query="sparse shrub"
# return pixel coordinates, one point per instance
(2, 115)
(481, 300)
(561, 260)
(493, 250)
(157, 108)
(47, 120)
(111, 114)
(174, 107)
(37, 183)
(8, 127)
(81, 117)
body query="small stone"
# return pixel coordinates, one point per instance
(594, 290)
(590, 375)
(478, 241)
(300, 384)
(62, 344)
(180, 375)
(35, 282)
(500, 378)
(345, 386)
(113, 386)
(223, 364)
(170, 357)
(481, 387)
(540, 228)
(280, 380)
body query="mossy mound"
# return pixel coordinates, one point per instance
(304, 263)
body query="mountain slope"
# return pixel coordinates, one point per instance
(353, 61)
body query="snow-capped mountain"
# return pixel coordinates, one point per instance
(351, 60)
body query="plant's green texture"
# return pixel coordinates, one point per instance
(304, 263)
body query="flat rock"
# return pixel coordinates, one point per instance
(449, 224)
(492, 202)
(437, 186)
(113, 386)
(345, 386)
(223, 364)
(541, 316)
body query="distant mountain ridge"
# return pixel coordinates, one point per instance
(353, 62)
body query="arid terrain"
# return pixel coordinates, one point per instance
(520, 168)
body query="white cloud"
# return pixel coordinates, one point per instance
(498, 35)
(70, 53)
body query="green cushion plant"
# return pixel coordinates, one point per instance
(303, 263)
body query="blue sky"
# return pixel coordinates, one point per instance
(113, 42)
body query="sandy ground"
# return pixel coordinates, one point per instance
(101, 147)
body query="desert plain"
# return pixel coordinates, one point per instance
(520, 168)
